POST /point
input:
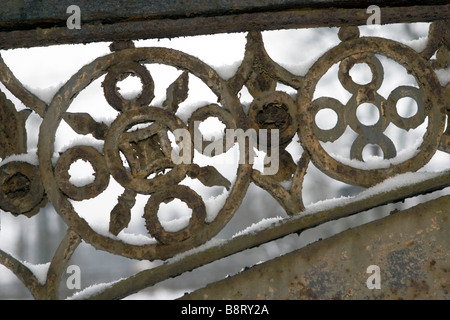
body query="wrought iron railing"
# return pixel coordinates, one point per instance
(149, 150)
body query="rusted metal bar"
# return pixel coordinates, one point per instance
(29, 24)
(188, 262)
(16, 15)
(409, 248)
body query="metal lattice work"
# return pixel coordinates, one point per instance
(139, 152)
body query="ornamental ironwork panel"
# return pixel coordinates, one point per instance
(148, 149)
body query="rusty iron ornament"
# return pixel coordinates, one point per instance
(116, 137)
(147, 150)
(91, 190)
(429, 97)
(21, 192)
(120, 72)
(185, 194)
(137, 180)
(270, 109)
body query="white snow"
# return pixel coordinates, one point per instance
(388, 185)
(79, 182)
(286, 184)
(45, 94)
(84, 141)
(127, 87)
(81, 173)
(29, 157)
(174, 215)
(417, 44)
(135, 239)
(131, 95)
(214, 242)
(101, 226)
(160, 293)
(398, 181)
(443, 76)
(39, 270)
(261, 225)
(185, 111)
(227, 71)
(212, 129)
(213, 205)
(300, 69)
(375, 162)
(175, 225)
(92, 290)
(385, 186)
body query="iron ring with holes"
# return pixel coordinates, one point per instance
(414, 64)
(188, 196)
(120, 72)
(140, 183)
(101, 173)
(21, 190)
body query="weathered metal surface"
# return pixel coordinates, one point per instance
(91, 190)
(296, 224)
(18, 15)
(148, 150)
(138, 154)
(361, 50)
(12, 129)
(21, 188)
(410, 248)
(29, 23)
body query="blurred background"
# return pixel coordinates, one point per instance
(44, 70)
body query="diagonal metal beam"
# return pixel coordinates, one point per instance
(192, 260)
